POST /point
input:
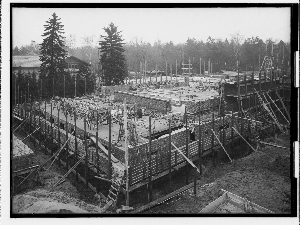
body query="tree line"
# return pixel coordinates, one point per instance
(113, 58)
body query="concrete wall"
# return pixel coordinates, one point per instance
(143, 101)
(109, 90)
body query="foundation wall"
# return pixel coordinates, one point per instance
(143, 101)
(109, 90)
(207, 105)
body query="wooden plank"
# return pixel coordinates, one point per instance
(163, 199)
(274, 145)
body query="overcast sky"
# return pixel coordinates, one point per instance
(166, 24)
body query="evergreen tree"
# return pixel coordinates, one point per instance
(52, 55)
(112, 59)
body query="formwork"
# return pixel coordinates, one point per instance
(139, 155)
(162, 158)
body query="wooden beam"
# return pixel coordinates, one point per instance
(187, 159)
(274, 145)
(221, 145)
(243, 139)
(126, 153)
(163, 199)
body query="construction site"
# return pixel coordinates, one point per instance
(157, 145)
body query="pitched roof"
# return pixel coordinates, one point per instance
(26, 61)
(34, 60)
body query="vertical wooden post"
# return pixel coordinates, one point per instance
(259, 77)
(150, 165)
(156, 72)
(223, 133)
(76, 144)
(97, 152)
(271, 78)
(212, 139)
(141, 73)
(176, 71)
(30, 120)
(161, 76)
(51, 118)
(34, 119)
(171, 71)
(199, 144)
(170, 156)
(187, 147)
(204, 66)
(40, 131)
(189, 67)
(86, 155)
(126, 153)
(255, 105)
(231, 126)
(109, 145)
(245, 81)
(67, 145)
(45, 130)
(166, 71)
(239, 91)
(195, 180)
(146, 71)
(200, 67)
(58, 134)
(265, 78)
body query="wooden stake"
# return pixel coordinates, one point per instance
(259, 82)
(176, 71)
(170, 155)
(126, 153)
(45, 130)
(30, 120)
(186, 146)
(171, 71)
(86, 155)
(195, 181)
(232, 119)
(199, 144)
(166, 71)
(109, 145)
(200, 66)
(58, 134)
(245, 81)
(76, 144)
(40, 132)
(97, 151)
(67, 145)
(51, 118)
(212, 139)
(150, 165)
(141, 69)
(156, 72)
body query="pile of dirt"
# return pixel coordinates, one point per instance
(44, 201)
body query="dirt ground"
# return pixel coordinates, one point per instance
(262, 177)
(68, 197)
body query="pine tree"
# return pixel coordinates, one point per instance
(113, 58)
(52, 55)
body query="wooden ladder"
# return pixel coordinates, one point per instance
(117, 181)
